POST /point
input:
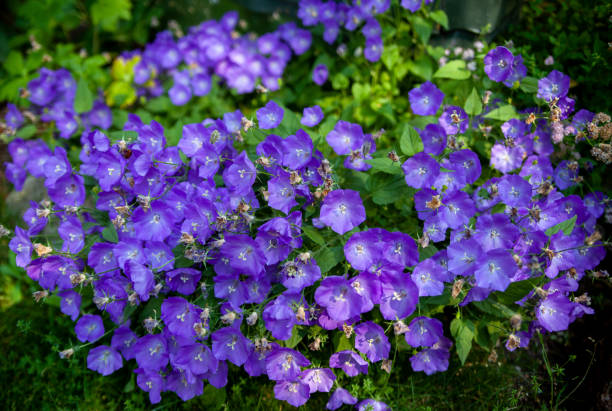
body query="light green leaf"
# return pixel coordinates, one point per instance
(422, 66)
(440, 17)
(503, 113)
(107, 13)
(339, 81)
(463, 332)
(26, 131)
(14, 63)
(361, 91)
(529, 84)
(328, 258)
(387, 189)
(515, 291)
(390, 56)
(126, 135)
(296, 336)
(313, 234)
(566, 226)
(473, 104)
(454, 69)
(343, 344)
(110, 234)
(410, 141)
(422, 27)
(83, 98)
(385, 165)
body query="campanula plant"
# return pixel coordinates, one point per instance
(306, 250)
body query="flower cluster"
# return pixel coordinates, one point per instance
(52, 95)
(212, 48)
(334, 15)
(215, 48)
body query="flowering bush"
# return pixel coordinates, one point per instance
(304, 248)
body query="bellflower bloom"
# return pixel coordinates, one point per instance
(285, 364)
(556, 84)
(13, 117)
(495, 268)
(339, 398)
(70, 303)
(421, 170)
(553, 313)
(295, 393)
(433, 137)
(229, 344)
(319, 74)
(340, 298)
(345, 137)
(454, 120)
(318, 379)
(428, 276)
(270, 115)
(519, 71)
(399, 296)
(514, 191)
(89, 328)
(498, 63)
(424, 332)
(350, 362)
(370, 339)
(104, 360)
(312, 116)
(342, 210)
(370, 404)
(430, 361)
(426, 99)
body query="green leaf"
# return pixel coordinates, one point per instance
(498, 208)
(454, 69)
(390, 56)
(440, 17)
(361, 91)
(254, 136)
(410, 141)
(110, 234)
(107, 13)
(503, 113)
(566, 226)
(386, 165)
(296, 336)
(427, 252)
(343, 344)
(83, 98)
(463, 332)
(328, 258)
(127, 135)
(493, 308)
(529, 84)
(339, 81)
(213, 398)
(422, 27)
(159, 104)
(389, 189)
(515, 291)
(313, 234)
(422, 66)
(14, 63)
(26, 131)
(473, 104)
